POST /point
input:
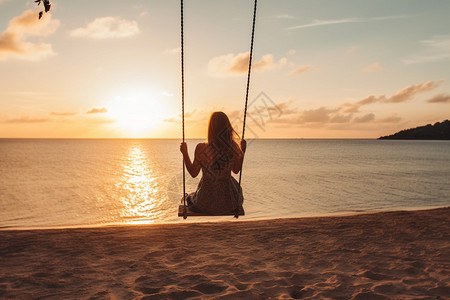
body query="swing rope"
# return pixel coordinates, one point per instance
(182, 108)
(236, 215)
(236, 212)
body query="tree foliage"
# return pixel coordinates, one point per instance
(46, 4)
(438, 131)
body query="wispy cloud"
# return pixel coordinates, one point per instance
(326, 117)
(354, 107)
(300, 70)
(100, 121)
(27, 119)
(284, 16)
(107, 28)
(365, 118)
(174, 50)
(14, 43)
(230, 64)
(401, 95)
(62, 113)
(319, 115)
(437, 48)
(374, 67)
(351, 49)
(391, 119)
(349, 114)
(317, 22)
(97, 110)
(166, 94)
(341, 118)
(287, 114)
(441, 98)
(408, 92)
(195, 115)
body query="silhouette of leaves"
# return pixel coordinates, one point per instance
(47, 6)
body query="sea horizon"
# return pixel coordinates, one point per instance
(101, 182)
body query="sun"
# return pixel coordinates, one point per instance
(137, 112)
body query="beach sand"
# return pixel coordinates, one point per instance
(400, 255)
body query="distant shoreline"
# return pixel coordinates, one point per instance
(437, 131)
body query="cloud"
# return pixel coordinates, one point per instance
(354, 107)
(62, 113)
(402, 95)
(238, 64)
(364, 119)
(301, 69)
(311, 118)
(174, 50)
(351, 49)
(317, 22)
(441, 98)
(437, 48)
(101, 121)
(13, 41)
(190, 114)
(97, 110)
(107, 28)
(292, 52)
(283, 108)
(320, 115)
(201, 116)
(375, 67)
(391, 119)
(408, 92)
(27, 119)
(262, 109)
(195, 115)
(172, 120)
(284, 16)
(166, 94)
(340, 118)
(285, 113)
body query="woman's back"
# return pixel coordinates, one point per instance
(218, 191)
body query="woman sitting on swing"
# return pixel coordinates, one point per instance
(217, 192)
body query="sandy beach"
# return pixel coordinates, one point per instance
(388, 255)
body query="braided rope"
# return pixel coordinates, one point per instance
(236, 214)
(182, 101)
(182, 108)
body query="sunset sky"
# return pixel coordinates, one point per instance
(327, 69)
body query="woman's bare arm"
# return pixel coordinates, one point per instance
(239, 161)
(192, 167)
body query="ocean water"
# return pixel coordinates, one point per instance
(72, 183)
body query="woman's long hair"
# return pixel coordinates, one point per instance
(221, 135)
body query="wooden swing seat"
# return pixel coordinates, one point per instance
(190, 213)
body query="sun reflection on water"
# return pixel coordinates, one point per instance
(141, 194)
